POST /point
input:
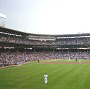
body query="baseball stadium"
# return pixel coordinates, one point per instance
(25, 57)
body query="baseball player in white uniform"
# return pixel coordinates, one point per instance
(45, 78)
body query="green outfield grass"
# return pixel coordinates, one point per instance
(31, 76)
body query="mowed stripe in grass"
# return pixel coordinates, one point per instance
(30, 76)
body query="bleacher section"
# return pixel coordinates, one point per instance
(18, 47)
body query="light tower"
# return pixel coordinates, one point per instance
(2, 20)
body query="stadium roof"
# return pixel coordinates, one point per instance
(12, 31)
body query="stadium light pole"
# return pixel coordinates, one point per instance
(3, 17)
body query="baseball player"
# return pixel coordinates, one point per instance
(45, 78)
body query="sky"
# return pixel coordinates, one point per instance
(47, 16)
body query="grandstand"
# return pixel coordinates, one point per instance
(18, 47)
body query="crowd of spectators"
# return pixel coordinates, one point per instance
(60, 41)
(9, 58)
